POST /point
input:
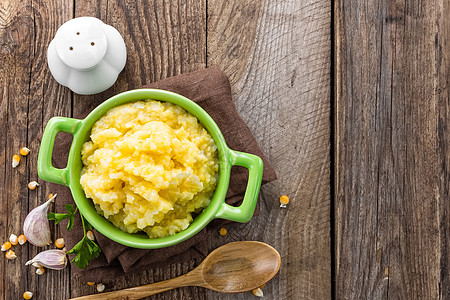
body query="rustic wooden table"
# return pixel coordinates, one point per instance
(348, 99)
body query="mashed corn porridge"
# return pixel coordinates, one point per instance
(148, 166)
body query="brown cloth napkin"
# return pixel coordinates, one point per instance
(211, 89)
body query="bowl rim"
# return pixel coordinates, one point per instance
(104, 226)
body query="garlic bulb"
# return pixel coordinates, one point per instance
(52, 259)
(36, 228)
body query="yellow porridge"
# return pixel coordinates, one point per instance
(148, 167)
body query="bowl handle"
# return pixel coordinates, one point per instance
(245, 211)
(45, 169)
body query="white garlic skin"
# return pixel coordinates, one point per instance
(36, 227)
(52, 259)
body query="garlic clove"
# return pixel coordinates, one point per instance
(52, 259)
(36, 227)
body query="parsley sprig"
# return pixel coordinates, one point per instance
(86, 249)
(59, 217)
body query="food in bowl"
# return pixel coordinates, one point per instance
(149, 166)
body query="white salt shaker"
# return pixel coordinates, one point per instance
(86, 55)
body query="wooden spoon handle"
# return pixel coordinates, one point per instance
(190, 279)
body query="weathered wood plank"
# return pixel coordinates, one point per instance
(391, 133)
(277, 55)
(29, 97)
(163, 38)
(442, 43)
(46, 99)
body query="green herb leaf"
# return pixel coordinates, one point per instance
(57, 217)
(88, 226)
(86, 250)
(70, 223)
(69, 208)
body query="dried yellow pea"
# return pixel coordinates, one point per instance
(15, 160)
(284, 200)
(100, 287)
(40, 270)
(6, 246)
(22, 239)
(24, 151)
(223, 231)
(10, 254)
(90, 235)
(258, 292)
(32, 185)
(59, 243)
(13, 239)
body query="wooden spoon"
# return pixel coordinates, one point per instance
(233, 268)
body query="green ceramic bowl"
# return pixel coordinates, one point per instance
(70, 176)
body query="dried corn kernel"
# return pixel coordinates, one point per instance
(223, 231)
(100, 287)
(90, 235)
(40, 270)
(15, 160)
(90, 283)
(27, 295)
(13, 239)
(37, 265)
(50, 196)
(32, 185)
(59, 243)
(24, 151)
(284, 200)
(10, 254)
(6, 246)
(22, 239)
(258, 292)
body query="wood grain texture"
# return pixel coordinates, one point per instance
(277, 55)
(46, 99)
(16, 31)
(26, 28)
(391, 149)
